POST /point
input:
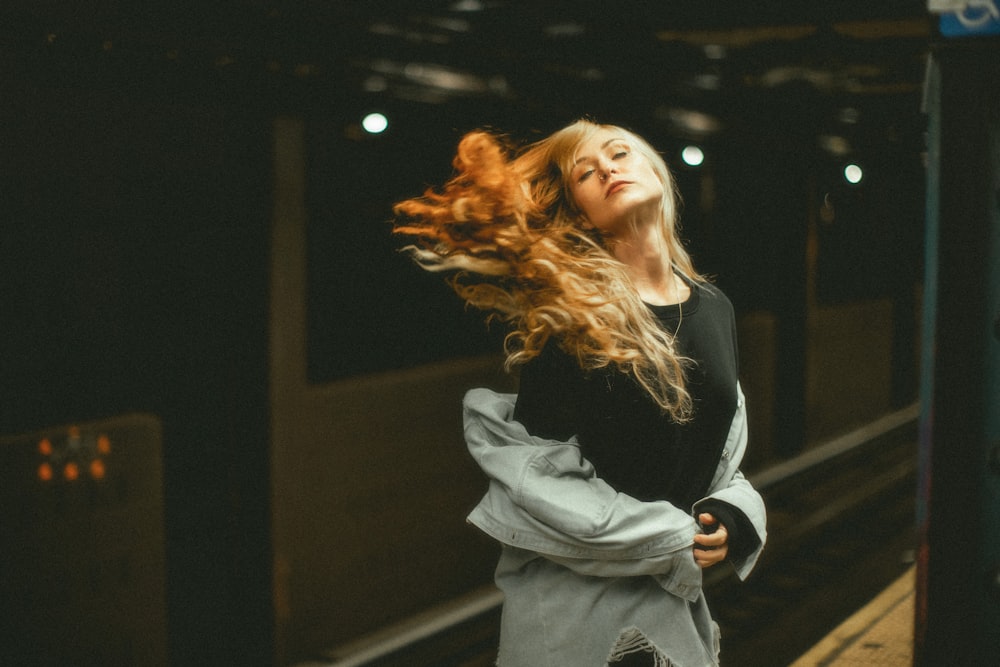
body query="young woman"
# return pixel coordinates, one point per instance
(614, 472)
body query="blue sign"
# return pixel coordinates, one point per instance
(978, 17)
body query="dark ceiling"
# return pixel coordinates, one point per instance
(686, 68)
(690, 69)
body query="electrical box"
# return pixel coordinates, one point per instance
(82, 550)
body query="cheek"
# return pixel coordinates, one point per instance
(586, 197)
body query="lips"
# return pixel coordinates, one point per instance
(614, 187)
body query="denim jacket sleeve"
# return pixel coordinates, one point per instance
(545, 497)
(731, 486)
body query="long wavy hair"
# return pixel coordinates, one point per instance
(507, 227)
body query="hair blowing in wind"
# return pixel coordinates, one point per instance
(508, 232)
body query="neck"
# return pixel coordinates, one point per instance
(646, 255)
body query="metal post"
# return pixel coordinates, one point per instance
(958, 583)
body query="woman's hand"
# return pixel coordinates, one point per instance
(712, 546)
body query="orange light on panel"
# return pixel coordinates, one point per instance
(45, 472)
(103, 444)
(71, 472)
(97, 470)
(45, 447)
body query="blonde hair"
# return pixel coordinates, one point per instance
(511, 231)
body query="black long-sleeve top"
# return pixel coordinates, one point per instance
(634, 446)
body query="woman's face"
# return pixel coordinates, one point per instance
(612, 183)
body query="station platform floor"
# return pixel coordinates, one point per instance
(880, 633)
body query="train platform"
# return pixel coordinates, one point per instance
(880, 633)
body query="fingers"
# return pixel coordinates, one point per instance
(705, 563)
(717, 539)
(715, 534)
(711, 556)
(710, 547)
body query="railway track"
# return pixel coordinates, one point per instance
(841, 523)
(841, 530)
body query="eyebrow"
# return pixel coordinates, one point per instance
(603, 146)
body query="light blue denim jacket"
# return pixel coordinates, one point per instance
(589, 573)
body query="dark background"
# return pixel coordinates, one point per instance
(135, 201)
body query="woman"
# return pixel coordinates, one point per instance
(613, 472)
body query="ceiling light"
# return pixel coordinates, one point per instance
(375, 123)
(693, 156)
(853, 174)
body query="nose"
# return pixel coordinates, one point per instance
(605, 169)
